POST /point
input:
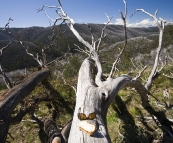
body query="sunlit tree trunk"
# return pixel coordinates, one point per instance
(92, 99)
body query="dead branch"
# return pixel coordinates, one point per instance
(7, 25)
(2, 72)
(123, 17)
(163, 64)
(36, 58)
(41, 9)
(160, 24)
(103, 35)
(169, 76)
(3, 48)
(64, 17)
(11, 99)
(170, 58)
(82, 50)
(134, 64)
(92, 35)
(139, 75)
(5, 78)
(41, 60)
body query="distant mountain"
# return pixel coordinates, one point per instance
(112, 31)
(37, 37)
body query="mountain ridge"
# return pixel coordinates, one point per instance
(38, 37)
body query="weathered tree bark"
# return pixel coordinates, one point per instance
(10, 100)
(91, 98)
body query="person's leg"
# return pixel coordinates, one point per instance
(56, 140)
(52, 131)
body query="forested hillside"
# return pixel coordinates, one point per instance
(35, 38)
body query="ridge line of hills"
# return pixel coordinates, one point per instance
(35, 33)
(14, 57)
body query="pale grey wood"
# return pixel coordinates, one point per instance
(91, 98)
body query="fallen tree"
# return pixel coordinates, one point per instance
(11, 99)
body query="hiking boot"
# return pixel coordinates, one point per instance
(51, 129)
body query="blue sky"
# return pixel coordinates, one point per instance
(24, 12)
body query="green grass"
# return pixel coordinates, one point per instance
(28, 131)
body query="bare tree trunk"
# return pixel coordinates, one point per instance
(93, 99)
(87, 101)
(11, 99)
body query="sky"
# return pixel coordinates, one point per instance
(24, 12)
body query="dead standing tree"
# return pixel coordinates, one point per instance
(93, 97)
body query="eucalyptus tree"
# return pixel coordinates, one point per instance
(94, 94)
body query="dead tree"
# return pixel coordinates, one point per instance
(11, 99)
(93, 97)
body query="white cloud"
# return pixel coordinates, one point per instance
(143, 23)
(118, 21)
(170, 21)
